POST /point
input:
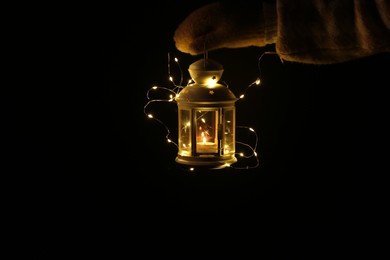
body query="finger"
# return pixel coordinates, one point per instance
(200, 23)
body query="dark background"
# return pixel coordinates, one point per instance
(105, 180)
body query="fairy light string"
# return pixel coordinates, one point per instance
(252, 154)
(151, 100)
(172, 92)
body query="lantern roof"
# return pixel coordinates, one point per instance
(204, 70)
(200, 93)
(206, 89)
(206, 74)
(205, 64)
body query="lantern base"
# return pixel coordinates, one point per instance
(206, 162)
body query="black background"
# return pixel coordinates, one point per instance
(103, 178)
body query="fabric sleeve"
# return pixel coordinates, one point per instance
(330, 31)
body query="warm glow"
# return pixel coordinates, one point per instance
(185, 153)
(204, 140)
(211, 82)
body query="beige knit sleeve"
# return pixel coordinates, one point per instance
(331, 31)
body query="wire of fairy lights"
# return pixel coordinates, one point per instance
(151, 100)
(175, 90)
(252, 154)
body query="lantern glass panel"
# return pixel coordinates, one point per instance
(206, 127)
(185, 132)
(228, 139)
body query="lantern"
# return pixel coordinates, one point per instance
(206, 118)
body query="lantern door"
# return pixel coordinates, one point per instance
(207, 132)
(206, 129)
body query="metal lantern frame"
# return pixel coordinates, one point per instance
(206, 118)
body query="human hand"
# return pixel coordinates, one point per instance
(221, 25)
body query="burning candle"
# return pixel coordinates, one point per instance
(206, 147)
